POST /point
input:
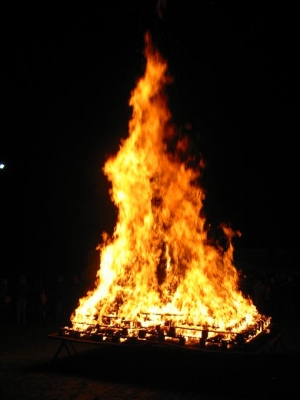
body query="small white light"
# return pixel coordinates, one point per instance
(2, 166)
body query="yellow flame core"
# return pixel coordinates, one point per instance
(158, 260)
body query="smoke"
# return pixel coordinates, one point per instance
(161, 4)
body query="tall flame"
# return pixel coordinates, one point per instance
(158, 260)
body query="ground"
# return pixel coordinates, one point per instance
(27, 372)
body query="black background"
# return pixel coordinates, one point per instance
(66, 77)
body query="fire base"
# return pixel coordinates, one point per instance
(252, 340)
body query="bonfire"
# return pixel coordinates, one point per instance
(158, 271)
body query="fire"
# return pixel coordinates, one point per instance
(158, 265)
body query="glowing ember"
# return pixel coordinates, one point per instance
(158, 268)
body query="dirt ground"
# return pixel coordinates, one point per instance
(105, 372)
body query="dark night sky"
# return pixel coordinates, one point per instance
(66, 78)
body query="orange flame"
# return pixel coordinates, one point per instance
(158, 261)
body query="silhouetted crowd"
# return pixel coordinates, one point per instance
(24, 300)
(274, 294)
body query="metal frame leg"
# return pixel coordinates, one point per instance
(272, 349)
(60, 347)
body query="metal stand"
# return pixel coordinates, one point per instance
(264, 343)
(68, 345)
(273, 344)
(276, 343)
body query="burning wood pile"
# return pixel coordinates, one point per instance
(150, 332)
(160, 279)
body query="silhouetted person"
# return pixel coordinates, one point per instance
(22, 292)
(43, 304)
(59, 299)
(74, 294)
(259, 292)
(5, 301)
